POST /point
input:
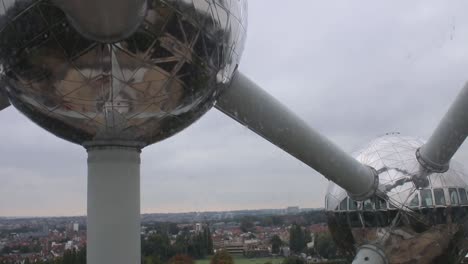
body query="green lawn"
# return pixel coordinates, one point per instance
(246, 261)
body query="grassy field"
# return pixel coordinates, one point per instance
(247, 261)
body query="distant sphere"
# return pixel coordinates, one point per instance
(394, 157)
(411, 220)
(144, 88)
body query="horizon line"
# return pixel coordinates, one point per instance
(166, 213)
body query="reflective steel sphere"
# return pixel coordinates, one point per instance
(409, 221)
(144, 88)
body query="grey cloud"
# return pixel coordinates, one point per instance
(352, 70)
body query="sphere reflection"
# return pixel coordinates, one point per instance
(144, 88)
(409, 220)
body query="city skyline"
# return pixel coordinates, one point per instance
(216, 163)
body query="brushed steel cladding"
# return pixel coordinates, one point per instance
(144, 88)
(394, 158)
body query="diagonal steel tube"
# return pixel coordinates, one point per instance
(251, 106)
(104, 20)
(449, 135)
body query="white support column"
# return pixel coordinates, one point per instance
(113, 235)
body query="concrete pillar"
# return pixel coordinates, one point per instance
(113, 234)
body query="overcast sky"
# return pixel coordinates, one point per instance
(353, 70)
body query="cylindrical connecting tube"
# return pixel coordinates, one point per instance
(113, 205)
(435, 155)
(251, 106)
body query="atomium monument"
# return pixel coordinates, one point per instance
(114, 77)
(117, 75)
(409, 224)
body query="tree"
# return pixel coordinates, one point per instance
(307, 237)
(158, 246)
(69, 257)
(24, 249)
(315, 217)
(247, 225)
(182, 243)
(6, 250)
(293, 260)
(208, 241)
(277, 220)
(181, 259)
(325, 246)
(81, 256)
(222, 257)
(297, 241)
(173, 229)
(276, 244)
(197, 246)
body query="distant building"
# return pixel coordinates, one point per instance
(318, 228)
(235, 248)
(76, 227)
(45, 229)
(285, 252)
(254, 248)
(293, 210)
(198, 227)
(69, 245)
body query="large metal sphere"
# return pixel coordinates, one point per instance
(393, 156)
(144, 88)
(411, 225)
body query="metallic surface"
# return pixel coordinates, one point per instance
(4, 102)
(144, 88)
(104, 20)
(113, 222)
(251, 106)
(450, 134)
(370, 254)
(409, 224)
(393, 156)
